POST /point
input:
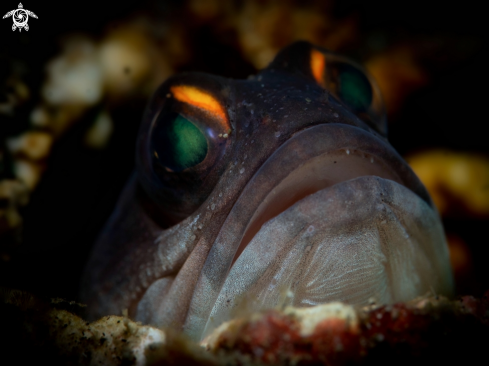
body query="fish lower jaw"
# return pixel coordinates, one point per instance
(362, 239)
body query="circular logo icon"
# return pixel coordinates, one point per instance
(20, 18)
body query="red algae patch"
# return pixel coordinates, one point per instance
(322, 333)
(428, 330)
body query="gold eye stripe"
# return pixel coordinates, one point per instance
(318, 63)
(196, 97)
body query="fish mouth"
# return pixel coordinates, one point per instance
(324, 179)
(321, 172)
(355, 153)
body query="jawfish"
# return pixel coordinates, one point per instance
(273, 191)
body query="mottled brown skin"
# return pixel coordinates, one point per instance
(169, 246)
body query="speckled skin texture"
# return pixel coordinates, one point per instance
(173, 252)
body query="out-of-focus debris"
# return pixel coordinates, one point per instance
(56, 119)
(125, 63)
(73, 84)
(99, 133)
(460, 256)
(398, 74)
(75, 76)
(29, 151)
(14, 94)
(13, 196)
(261, 31)
(34, 145)
(131, 62)
(457, 182)
(207, 10)
(28, 172)
(461, 261)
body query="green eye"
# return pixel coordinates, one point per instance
(179, 144)
(354, 88)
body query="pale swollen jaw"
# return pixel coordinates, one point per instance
(363, 239)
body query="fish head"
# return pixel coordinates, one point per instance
(279, 190)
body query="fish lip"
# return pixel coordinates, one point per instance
(371, 145)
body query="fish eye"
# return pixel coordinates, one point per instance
(351, 85)
(184, 135)
(178, 143)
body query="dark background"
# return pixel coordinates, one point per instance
(80, 187)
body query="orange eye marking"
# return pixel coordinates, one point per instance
(318, 62)
(193, 96)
